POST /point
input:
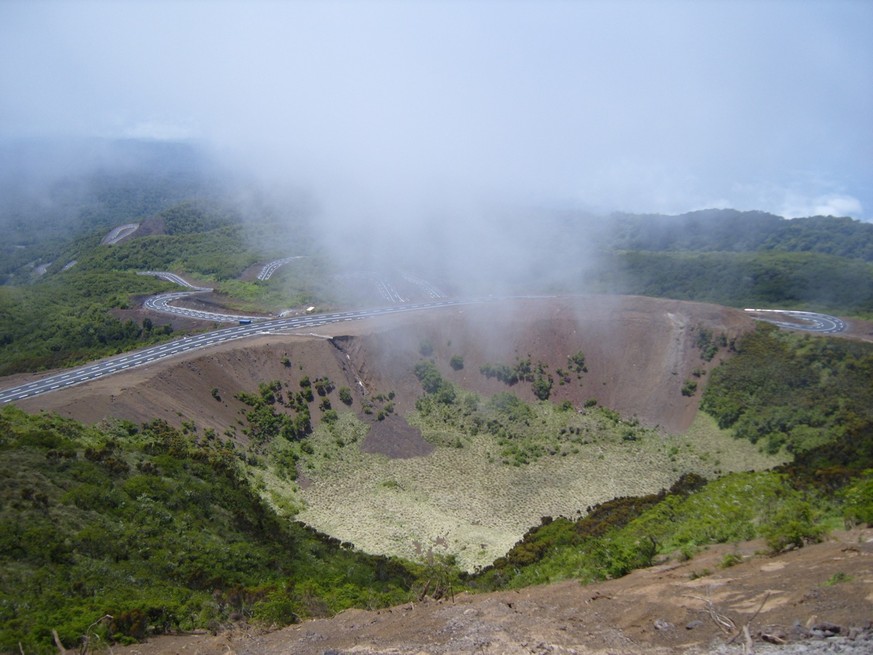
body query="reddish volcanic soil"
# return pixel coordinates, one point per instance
(671, 608)
(638, 351)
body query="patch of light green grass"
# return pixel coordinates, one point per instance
(482, 505)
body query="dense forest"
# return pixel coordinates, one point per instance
(745, 279)
(155, 530)
(727, 230)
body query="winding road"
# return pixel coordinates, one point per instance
(256, 325)
(271, 267)
(129, 360)
(161, 302)
(806, 321)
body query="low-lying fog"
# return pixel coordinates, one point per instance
(445, 133)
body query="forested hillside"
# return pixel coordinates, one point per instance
(52, 193)
(728, 230)
(155, 530)
(744, 279)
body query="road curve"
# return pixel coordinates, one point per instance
(271, 267)
(116, 234)
(161, 302)
(806, 321)
(125, 361)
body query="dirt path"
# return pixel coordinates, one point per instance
(676, 607)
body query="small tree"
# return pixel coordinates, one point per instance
(689, 388)
(456, 362)
(542, 388)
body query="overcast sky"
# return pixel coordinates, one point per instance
(412, 106)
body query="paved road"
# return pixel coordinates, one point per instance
(161, 302)
(270, 268)
(807, 321)
(116, 234)
(810, 321)
(175, 279)
(430, 290)
(129, 360)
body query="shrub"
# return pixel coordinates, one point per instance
(731, 559)
(689, 388)
(577, 363)
(838, 578)
(542, 388)
(792, 525)
(858, 501)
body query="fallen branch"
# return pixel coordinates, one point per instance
(61, 649)
(725, 623)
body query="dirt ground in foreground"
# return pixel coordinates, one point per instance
(676, 607)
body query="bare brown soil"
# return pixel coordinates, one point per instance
(639, 352)
(395, 438)
(676, 607)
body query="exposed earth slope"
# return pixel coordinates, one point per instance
(639, 351)
(677, 607)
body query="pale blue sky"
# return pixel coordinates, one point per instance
(405, 107)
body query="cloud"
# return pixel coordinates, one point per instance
(159, 131)
(405, 111)
(796, 206)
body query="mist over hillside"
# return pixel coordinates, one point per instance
(309, 306)
(57, 190)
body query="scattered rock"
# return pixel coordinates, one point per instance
(825, 629)
(661, 624)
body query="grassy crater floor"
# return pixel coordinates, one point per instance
(464, 498)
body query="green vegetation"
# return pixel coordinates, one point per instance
(793, 391)
(498, 465)
(165, 529)
(689, 388)
(159, 529)
(858, 500)
(727, 230)
(838, 578)
(266, 422)
(65, 319)
(433, 383)
(523, 371)
(624, 534)
(709, 344)
(772, 374)
(38, 222)
(576, 363)
(745, 279)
